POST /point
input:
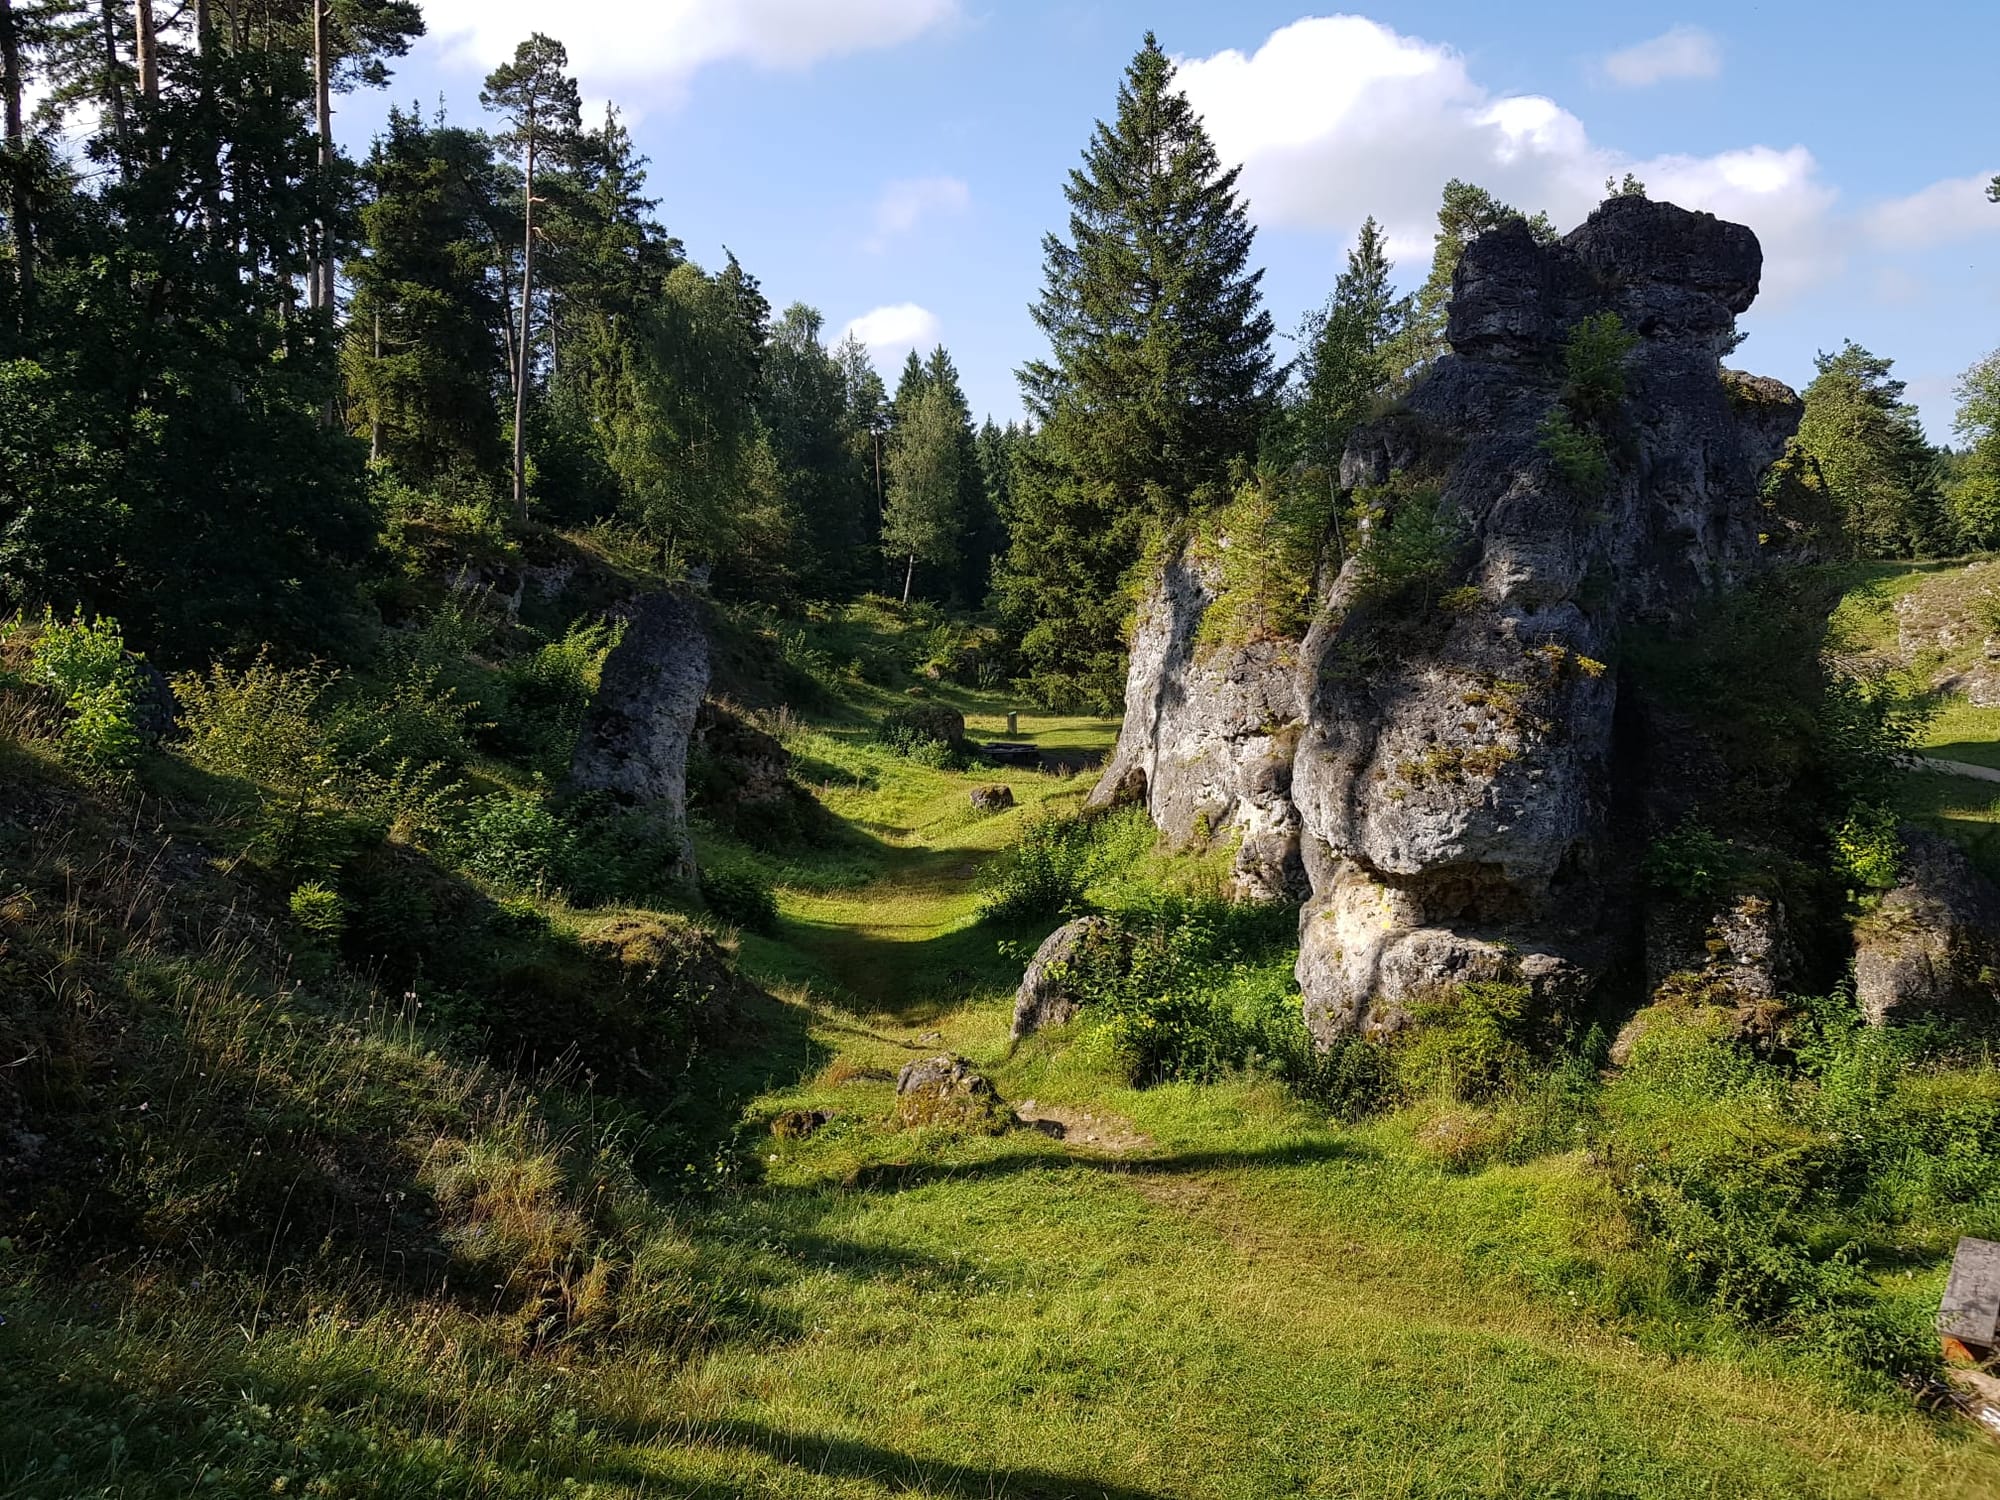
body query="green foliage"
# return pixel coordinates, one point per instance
(1268, 543)
(1471, 1045)
(319, 913)
(513, 840)
(538, 700)
(1047, 874)
(1693, 863)
(1594, 355)
(86, 665)
(1412, 546)
(1159, 378)
(1868, 445)
(740, 900)
(1346, 364)
(1868, 849)
(1579, 453)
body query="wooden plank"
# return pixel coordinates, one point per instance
(1970, 1311)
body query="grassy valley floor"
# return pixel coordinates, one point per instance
(1197, 1292)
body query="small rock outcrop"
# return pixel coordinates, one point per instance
(634, 745)
(918, 723)
(1209, 735)
(1932, 946)
(1046, 997)
(741, 778)
(992, 799)
(948, 1091)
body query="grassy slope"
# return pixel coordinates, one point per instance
(1246, 1301)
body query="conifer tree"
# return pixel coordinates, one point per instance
(1159, 375)
(1869, 445)
(1345, 361)
(540, 102)
(923, 520)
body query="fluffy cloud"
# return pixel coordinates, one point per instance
(1684, 52)
(665, 42)
(1955, 209)
(895, 330)
(903, 205)
(1338, 117)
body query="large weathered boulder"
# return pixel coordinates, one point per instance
(634, 745)
(920, 723)
(1932, 946)
(1047, 997)
(1209, 733)
(741, 778)
(1454, 772)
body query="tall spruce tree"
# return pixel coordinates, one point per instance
(924, 523)
(1345, 361)
(1159, 376)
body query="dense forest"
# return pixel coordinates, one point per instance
(554, 937)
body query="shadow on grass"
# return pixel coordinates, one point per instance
(831, 1458)
(900, 1176)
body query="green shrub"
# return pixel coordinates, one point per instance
(1578, 453)
(739, 900)
(319, 913)
(538, 701)
(1470, 1045)
(512, 840)
(1692, 863)
(84, 662)
(1046, 874)
(1268, 541)
(1868, 849)
(1412, 547)
(1594, 358)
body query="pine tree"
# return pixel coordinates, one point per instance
(804, 402)
(1466, 212)
(543, 109)
(424, 355)
(1870, 446)
(1975, 488)
(1159, 375)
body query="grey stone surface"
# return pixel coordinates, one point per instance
(1045, 997)
(1454, 771)
(947, 1091)
(634, 744)
(1932, 945)
(1208, 736)
(992, 799)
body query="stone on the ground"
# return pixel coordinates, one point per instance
(948, 1091)
(1932, 946)
(925, 721)
(1046, 997)
(992, 799)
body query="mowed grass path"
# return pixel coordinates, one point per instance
(1246, 1303)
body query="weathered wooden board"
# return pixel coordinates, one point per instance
(1970, 1312)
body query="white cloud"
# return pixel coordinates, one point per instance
(895, 330)
(1684, 52)
(1338, 117)
(903, 205)
(1955, 209)
(665, 42)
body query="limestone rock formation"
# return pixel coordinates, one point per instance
(634, 745)
(1454, 776)
(1045, 997)
(992, 799)
(1209, 734)
(741, 778)
(1932, 947)
(948, 1091)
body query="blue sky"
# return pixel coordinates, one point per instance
(895, 163)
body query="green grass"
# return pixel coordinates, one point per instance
(1235, 1299)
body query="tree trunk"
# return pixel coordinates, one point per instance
(527, 311)
(114, 88)
(909, 577)
(14, 85)
(374, 404)
(148, 52)
(323, 295)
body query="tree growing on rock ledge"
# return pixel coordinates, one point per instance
(1159, 376)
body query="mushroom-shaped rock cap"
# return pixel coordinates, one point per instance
(1634, 240)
